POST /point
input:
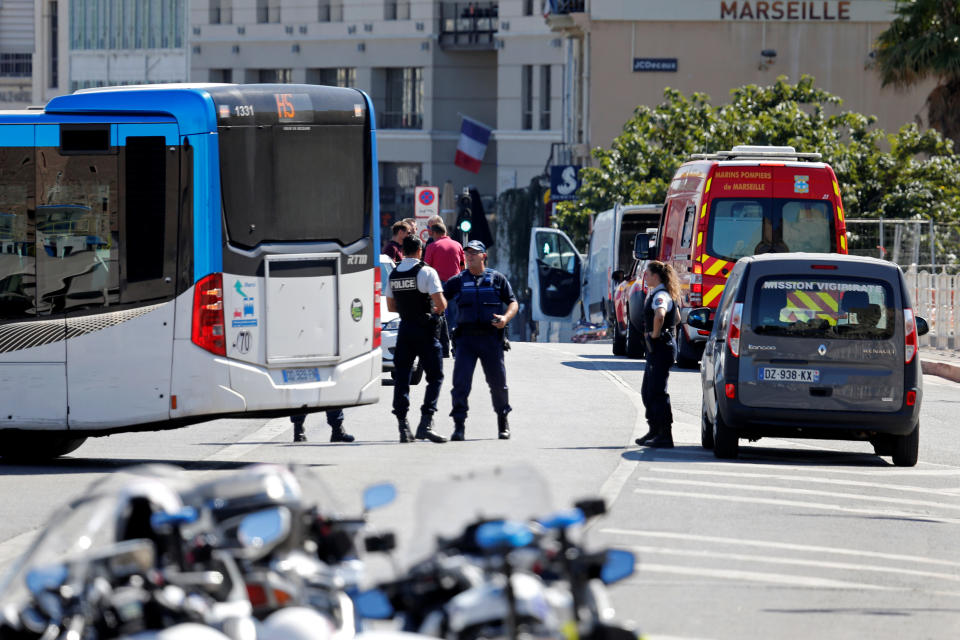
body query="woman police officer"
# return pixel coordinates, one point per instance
(660, 316)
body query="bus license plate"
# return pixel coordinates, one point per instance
(780, 374)
(309, 374)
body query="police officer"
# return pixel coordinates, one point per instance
(481, 295)
(416, 294)
(660, 316)
(334, 419)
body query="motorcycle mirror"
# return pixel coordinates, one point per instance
(591, 507)
(262, 530)
(46, 578)
(373, 604)
(563, 519)
(382, 542)
(505, 533)
(378, 495)
(618, 565)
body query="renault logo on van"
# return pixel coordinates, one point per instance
(822, 349)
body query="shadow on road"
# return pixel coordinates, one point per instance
(759, 455)
(610, 365)
(102, 465)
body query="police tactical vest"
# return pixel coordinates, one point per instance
(412, 304)
(478, 301)
(669, 321)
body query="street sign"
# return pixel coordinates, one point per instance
(426, 204)
(564, 182)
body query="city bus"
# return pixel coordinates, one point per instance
(178, 253)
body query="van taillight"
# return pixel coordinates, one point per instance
(733, 333)
(910, 336)
(911, 398)
(377, 292)
(208, 322)
(730, 390)
(696, 285)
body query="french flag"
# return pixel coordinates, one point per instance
(474, 137)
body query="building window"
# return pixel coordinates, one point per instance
(268, 11)
(528, 7)
(221, 11)
(328, 11)
(54, 46)
(545, 97)
(16, 65)
(526, 96)
(341, 77)
(275, 76)
(404, 99)
(134, 24)
(221, 75)
(396, 10)
(398, 181)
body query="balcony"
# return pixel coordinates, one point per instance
(561, 15)
(469, 25)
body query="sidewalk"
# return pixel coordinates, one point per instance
(940, 362)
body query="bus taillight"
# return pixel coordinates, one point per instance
(377, 292)
(208, 325)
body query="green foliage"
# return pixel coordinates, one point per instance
(903, 175)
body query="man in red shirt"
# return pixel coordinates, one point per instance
(400, 231)
(446, 256)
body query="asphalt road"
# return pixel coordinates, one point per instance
(797, 539)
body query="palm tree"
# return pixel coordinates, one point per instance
(923, 41)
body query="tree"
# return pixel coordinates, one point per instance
(904, 175)
(923, 41)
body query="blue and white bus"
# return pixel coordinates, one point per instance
(177, 253)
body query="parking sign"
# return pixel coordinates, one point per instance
(426, 204)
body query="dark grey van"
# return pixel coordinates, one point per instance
(809, 345)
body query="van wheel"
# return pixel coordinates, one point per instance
(619, 340)
(688, 355)
(635, 346)
(726, 444)
(906, 449)
(706, 429)
(34, 446)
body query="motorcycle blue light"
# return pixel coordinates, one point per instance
(563, 519)
(506, 533)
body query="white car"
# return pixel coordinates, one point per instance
(390, 323)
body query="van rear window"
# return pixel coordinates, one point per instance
(817, 307)
(747, 226)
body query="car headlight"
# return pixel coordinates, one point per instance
(393, 325)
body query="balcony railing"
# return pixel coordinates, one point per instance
(567, 6)
(469, 25)
(399, 120)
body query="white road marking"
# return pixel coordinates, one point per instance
(248, 443)
(821, 506)
(758, 576)
(785, 546)
(806, 479)
(885, 471)
(803, 492)
(823, 564)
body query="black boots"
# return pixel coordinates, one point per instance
(337, 434)
(405, 435)
(425, 430)
(644, 440)
(458, 430)
(664, 438)
(298, 434)
(503, 427)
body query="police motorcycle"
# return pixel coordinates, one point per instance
(98, 571)
(492, 570)
(297, 556)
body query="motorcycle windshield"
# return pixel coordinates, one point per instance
(446, 507)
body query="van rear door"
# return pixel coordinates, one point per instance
(553, 274)
(819, 341)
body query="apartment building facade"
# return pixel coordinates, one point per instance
(425, 63)
(625, 53)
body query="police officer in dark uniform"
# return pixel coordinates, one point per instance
(334, 419)
(660, 316)
(482, 295)
(416, 294)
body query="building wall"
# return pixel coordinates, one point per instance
(16, 43)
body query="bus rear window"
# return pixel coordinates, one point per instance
(294, 183)
(747, 226)
(815, 307)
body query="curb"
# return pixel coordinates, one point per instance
(946, 370)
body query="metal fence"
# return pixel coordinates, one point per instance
(918, 243)
(936, 298)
